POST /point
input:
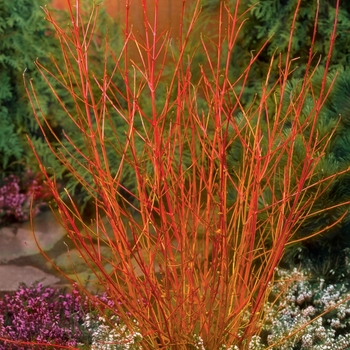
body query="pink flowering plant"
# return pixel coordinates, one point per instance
(44, 315)
(38, 317)
(20, 195)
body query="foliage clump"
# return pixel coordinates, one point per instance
(24, 37)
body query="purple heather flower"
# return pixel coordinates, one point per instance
(38, 314)
(16, 195)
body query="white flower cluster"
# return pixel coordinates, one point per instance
(106, 336)
(256, 344)
(296, 320)
(199, 344)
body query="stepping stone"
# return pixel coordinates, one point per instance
(11, 276)
(18, 240)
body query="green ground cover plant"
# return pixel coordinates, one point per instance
(222, 183)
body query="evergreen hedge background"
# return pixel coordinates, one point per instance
(26, 36)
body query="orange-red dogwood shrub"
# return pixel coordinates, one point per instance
(187, 258)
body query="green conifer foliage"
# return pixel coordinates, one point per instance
(24, 37)
(27, 37)
(272, 19)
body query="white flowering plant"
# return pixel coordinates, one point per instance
(308, 315)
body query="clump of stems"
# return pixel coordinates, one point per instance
(196, 244)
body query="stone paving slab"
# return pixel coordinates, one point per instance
(18, 240)
(11, 276)
(19, 253)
